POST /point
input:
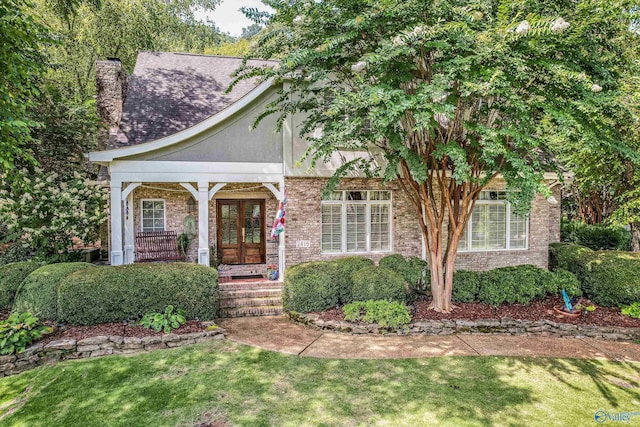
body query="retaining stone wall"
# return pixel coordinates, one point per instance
(504, 326)
(66, 349)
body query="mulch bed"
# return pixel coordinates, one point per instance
(537, 310)
(108, 329)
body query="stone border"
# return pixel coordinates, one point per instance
(505, 326)
(68, 349)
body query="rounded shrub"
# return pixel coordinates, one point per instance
(378, 283)
(521, 284)
(465, 286)
(310, 286)
(571, 257)
(114, 294)
(11, 277)
(343, 279)
(413, 270)
(597, 236)
(38, 293)
(563, 279)
(613, 278)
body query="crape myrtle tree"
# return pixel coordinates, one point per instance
(451, 93)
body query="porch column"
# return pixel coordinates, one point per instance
(129, 239)
(115, 257)
(281, 245)
(203, 223)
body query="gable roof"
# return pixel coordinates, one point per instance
(170, 92)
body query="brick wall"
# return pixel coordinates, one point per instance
(303, 223)
(176, 199)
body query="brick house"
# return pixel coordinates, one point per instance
(180, 151)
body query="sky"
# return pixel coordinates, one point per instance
(227, 15)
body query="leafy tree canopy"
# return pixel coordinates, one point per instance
(451, 93)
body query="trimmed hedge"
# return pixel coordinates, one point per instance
(465, 286)
(345, 268)
(608, 278)
(596, 237)
(311, 286)
(11, 277)
(114, 294)
(379, 283)
(38, 292)
(414, 270)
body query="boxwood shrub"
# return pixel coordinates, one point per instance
(465, 286)
(11, 277)
(596, 237)
(311, 286)
(379, 283)
(38, 293)
(414, 270)
(345, 268)
(118, 293)
(520, 284)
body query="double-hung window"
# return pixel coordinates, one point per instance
(153, 215)
(356, 221)
(493, 225)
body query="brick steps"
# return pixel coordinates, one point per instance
(247, 299)
(251, 311)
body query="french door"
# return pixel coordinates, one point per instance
(241, 231)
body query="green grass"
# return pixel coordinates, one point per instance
(232, 384)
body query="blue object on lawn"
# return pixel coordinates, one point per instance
(567, 302)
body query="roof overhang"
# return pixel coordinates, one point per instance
(107, 156)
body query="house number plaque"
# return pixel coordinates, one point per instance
(303, 243)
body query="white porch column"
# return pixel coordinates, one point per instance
(203, 223)
(115, 257)
(281, 246)
(129, 239)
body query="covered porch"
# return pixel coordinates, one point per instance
(233, 205)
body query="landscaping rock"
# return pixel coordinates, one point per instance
(170, 338)
(116, 339)
(105, 352)
(132, 343)
(65, 344)
(94, 340)
(155, 346)
(88, 348)
(8, 358)
(153, 339)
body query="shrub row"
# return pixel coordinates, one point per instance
(321, 285)
(11, 277)
(608, 278)
(521, 284)
(38, 293)
(115, 294)
(413, 270)
(596, 237)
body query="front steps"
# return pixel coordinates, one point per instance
(250, 298)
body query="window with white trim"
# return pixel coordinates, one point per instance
(153, 214)
(356, 221)
(493, 226)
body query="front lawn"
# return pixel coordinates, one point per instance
(224, 383)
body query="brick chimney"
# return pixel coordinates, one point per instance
(111, 90)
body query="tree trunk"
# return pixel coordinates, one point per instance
(635, 236)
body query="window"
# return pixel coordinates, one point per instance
(356, 221)
(493, 226)
(153, 215)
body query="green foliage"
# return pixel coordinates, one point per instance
(345, 269)
(11, 277)
(632, 310)
(184, 241)
(414, 270)
(18, 331)
(378, 283)
(563, 279)
(21, 65)
(310, 286)
(521, 284)
(47, 214)
(115, 294)
(38, 293)
(465, 286)
(453, 95)
(596, 237)
(385, 313)
(164, 321)
(608, 278)
(16, 252)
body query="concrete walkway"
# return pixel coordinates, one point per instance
(278, 333)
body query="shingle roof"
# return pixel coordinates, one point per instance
(169, 92)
